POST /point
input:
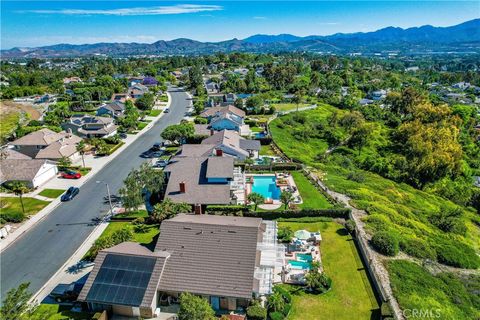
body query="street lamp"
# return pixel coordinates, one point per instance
(109, 197)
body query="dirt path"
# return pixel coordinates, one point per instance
(10, 106)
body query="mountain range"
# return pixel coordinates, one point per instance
(464, 37)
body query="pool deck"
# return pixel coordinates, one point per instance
(288, 186)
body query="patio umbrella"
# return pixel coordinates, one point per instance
(302, 234)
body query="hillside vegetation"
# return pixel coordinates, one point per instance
(369, 161)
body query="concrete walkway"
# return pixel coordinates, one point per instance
(92, 161)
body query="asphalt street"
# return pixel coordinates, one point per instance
(39, 253)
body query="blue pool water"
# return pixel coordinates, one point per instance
(304, 257)
(266, 186)
(300, 264)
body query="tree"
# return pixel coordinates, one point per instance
(255, 198)
(16, 304)
(81, 149)
(168, 209)
(146, 101)
(276, 302)
(298, 97)
(286, 197)
(285, 234)
(316, 281)
(19, 188)
(178, 132)
(64, 162)
(194, 308)
(360, 136)
(139, 182)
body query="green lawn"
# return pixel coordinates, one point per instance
(267, 151)
(351, 296)
(134, 214)
(83, 171)
(256, 129)
(12, 206)
(155, 113)
(51, 193)
(143, 238)
(312, 198)
(57, 312)
(141, 125)
(282, 107)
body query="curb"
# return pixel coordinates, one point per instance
(4, 244)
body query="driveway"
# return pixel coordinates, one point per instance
(39, 253)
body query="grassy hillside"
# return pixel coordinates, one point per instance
(397, 208)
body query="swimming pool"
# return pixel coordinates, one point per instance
(306, 257)
(294, 264)
(266, 186)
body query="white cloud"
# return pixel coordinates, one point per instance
(143, 11)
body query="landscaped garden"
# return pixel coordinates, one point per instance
(11, 208)
(351, 295)
(51, 193)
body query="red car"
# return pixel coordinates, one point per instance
(71, 175)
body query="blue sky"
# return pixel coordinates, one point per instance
(37, 23)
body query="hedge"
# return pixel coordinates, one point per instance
(282, 166)
(273, 215)
(386, 243)
(115, 147)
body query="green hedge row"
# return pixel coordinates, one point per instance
(272, 215)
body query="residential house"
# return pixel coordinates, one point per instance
(226, 118)
(212, 87)
(227, 260)
(379, 95)
(48, 144)
(230, 143)
(199, 181)
(121, 97)
(229, 98)
(137, 90)
(87, 126)
(71, 80)
(114, 109)
(33, 172)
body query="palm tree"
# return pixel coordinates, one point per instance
(81, 148)
(276, 302)
(255, 198)
(286, 197)
(19, 188)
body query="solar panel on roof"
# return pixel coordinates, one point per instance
(122, 280)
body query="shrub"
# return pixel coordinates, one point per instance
(256, 312)
(350, 226)
(140, 228)
(276, 316)
(200, 120)
(417, 248)
(14, 217)
(139, 220)
(285, 234)
(385, 243)
(458, 255)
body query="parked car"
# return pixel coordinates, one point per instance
(151, 154)
(158, 146)
(122, 135)
(162, 163)
(66, 292)
(70, 194)
(70, 174)
(167, 110)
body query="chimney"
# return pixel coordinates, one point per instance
(182, 187)
(219, 152)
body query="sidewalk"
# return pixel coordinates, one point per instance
(96, 163)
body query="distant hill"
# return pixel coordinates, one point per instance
(462, 37)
